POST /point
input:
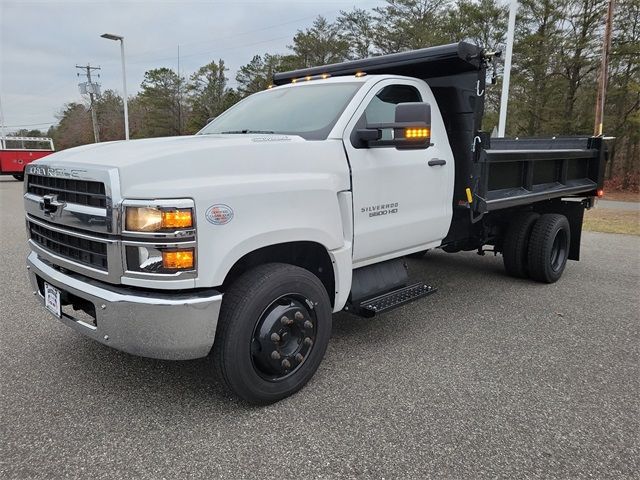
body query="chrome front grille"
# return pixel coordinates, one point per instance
(79, 249)
(80, 192)
(72, 218)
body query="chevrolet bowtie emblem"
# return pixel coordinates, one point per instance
(50, 205)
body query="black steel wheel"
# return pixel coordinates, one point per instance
(549, 247)
(515, 249)
(272, 333)
(284, 337)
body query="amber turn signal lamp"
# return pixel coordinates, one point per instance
(180, 218)
(177, 259)
(417, 133)
(600, 193)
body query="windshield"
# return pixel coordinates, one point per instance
(306, 110)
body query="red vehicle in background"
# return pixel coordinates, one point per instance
(17, 152)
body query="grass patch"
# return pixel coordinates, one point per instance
(612, 221)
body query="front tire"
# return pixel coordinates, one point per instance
(273, 331)
(549, 247)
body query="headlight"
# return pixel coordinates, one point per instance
(151, 219)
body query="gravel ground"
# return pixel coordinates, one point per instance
(490, 377)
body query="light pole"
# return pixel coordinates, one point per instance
(504, 99)
(110, 36)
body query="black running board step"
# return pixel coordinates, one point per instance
(389, 301)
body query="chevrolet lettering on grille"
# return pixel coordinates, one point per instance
(54, 171)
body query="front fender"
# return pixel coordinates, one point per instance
(309, 214)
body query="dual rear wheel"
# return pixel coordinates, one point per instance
(537, 246)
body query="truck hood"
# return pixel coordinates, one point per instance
(167, 167)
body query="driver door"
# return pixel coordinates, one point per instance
(401, 204)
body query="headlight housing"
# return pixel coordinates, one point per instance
(154, 219)
(159, 238)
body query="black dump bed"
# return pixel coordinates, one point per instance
(516, 171)
(500, 173)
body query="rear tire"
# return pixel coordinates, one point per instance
(549, 247)
(19, 177)
(273, 331)
(516, 243)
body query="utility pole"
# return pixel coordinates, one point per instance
(93, 90)
(604, 71)
(3, 133)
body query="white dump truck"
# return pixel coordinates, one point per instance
(239, 243)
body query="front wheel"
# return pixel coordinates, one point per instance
(273, 331)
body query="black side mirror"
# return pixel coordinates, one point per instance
(411, 129)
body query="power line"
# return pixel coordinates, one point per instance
(232, 36)
(30, 124)
(209, 52)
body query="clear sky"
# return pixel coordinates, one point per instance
(41, 41)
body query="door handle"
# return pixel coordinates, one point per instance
(436, 162)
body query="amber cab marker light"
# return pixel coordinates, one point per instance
(600, 193)
(177, 259)
(177, 218)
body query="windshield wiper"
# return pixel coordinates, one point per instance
(247, 131)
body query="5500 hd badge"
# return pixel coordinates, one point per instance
(382, 209)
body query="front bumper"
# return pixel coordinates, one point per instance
(155, 324)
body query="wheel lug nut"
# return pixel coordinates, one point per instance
(308, 341)
(299, 358)
(308, 325)
(299, 316)
(286, 363)
(275, 337)
(286, 321)
(275, 355)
